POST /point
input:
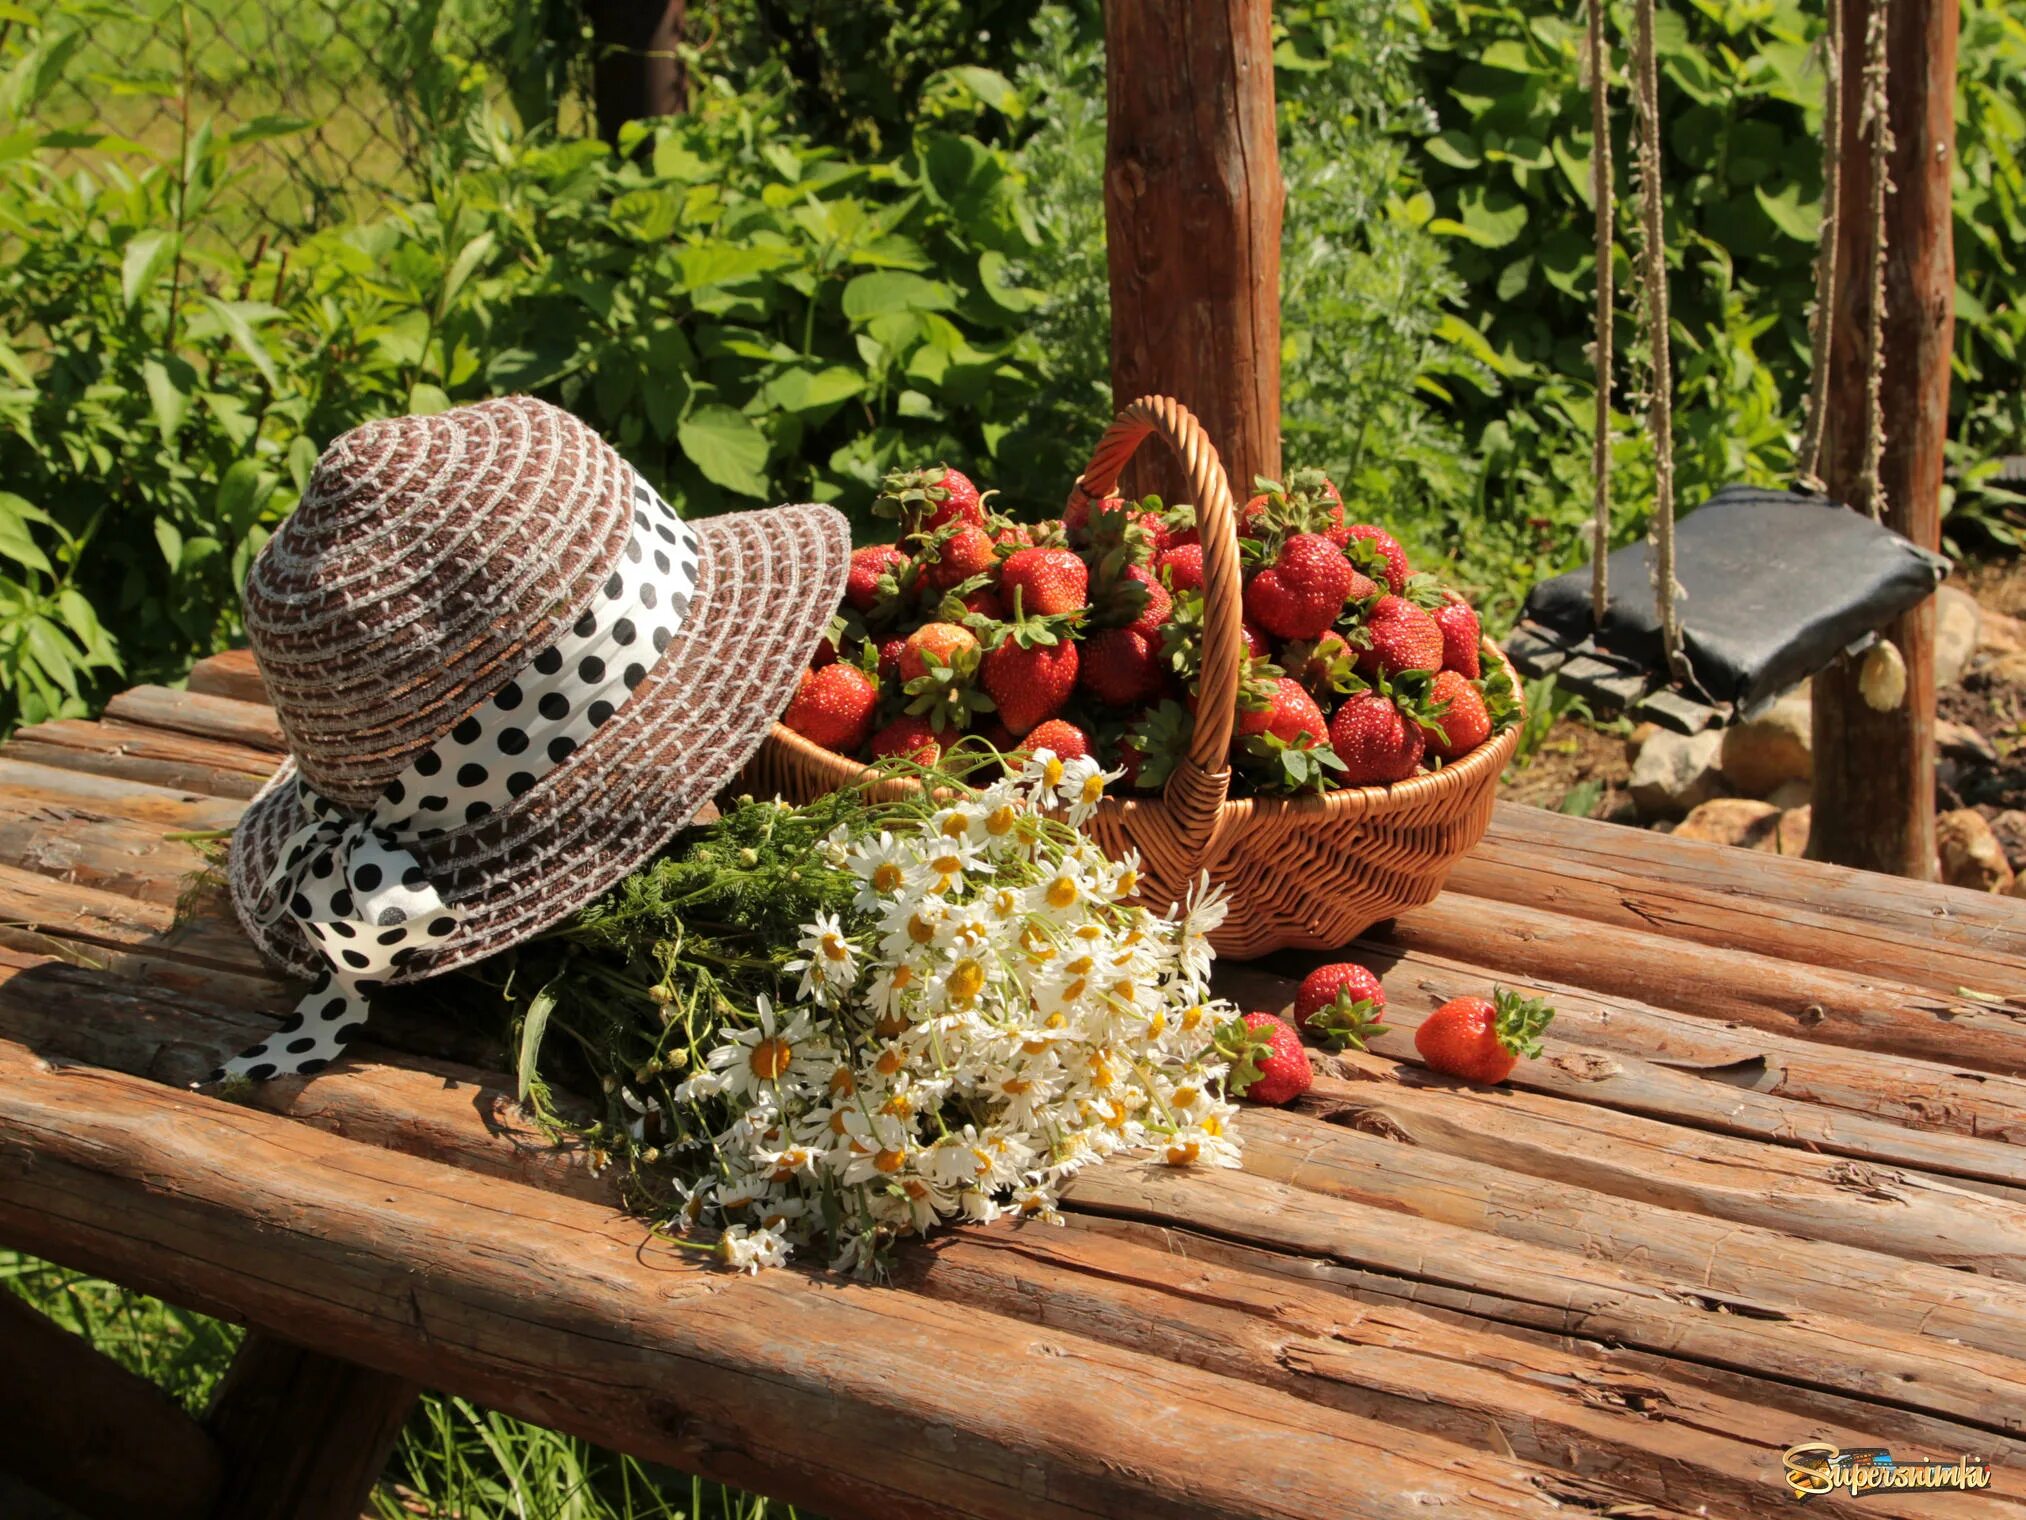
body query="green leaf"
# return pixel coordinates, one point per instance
(170, 539)
(533, 1027)
(261, 128)
(893, 290)
(1456, 149)
(16, 542)
(1490, 218)
(989, 85)
(302, 461)
(146, 253)
(1785, 211)
(803, 390)
(232, 316)
(426, 400)
(170, 402)
(469, 257)
(727, 448)
(995, 278)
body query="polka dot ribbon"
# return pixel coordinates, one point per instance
(361, 899)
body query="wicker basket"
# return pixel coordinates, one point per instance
(1308, 872)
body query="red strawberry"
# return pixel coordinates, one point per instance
(1376, 741)
(1304, 590)
(1462, 638)
(1249, 515)
(997, 734)
(1031, 683)
(1290, 715)
(1326, 659)
(965, 553)
(861, 585)
(911, 737)
(1342, 1003)
(1013, 536)
(1268, 1064)
(1158, 539)
(1384, 549)
(1159, 604)
(1466, 724)
(945, 641)
(1120, 666)
(1482, 1041)
(960, 500)
(826, 653)
(1403, 638)
(1272, 604)
(986, 603)
(889, 657)
(1048, 581)
(833, 707)
(1076, 516)
(1067, 740)
(1182, 567)
(1255, 642)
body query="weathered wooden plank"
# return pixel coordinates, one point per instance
(1428, 1263)
(1885, 928)
(84, 1430)
(133, 937)
(303, 1435)
(554, 1310)
(152, 755)
(231, 674)
(1636, 1060)
(1735, 984)
(194, 712)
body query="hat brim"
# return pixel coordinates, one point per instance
(767, 585)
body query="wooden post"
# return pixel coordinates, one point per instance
(1193, 202)
(1875, 771)
(635, 73)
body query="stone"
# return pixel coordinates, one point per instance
(1778, 746)
(1962, 743)
(1970, 854)
(1789, 795)
(2002, 634)
(1791, 838)
(2010, 828)
(1738, 821)
(1636, 740)
(1674, 772)
(1958, 623)
(2018, 887)
(2004, 670)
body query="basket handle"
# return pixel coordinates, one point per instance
(1201, 779)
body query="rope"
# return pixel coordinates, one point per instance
(1653, 304)
(1821, 324)
(1876, 116)
(1600, 196)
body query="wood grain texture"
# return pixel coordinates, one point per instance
(190, 712)
(82, 1429)
(233, 674)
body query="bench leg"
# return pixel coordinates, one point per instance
(302, 1434)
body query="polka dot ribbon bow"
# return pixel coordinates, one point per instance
(360, 898)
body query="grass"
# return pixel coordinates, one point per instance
(455, 1460)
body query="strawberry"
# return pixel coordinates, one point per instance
(1158, 604)
(1067, 740)
(861, 584)
(1120, 666)
(1300, 595)
(1268, 1064)
(1462, 638)
(1399, 637)
(1030, 682)
(1377, 743)
(1482, 1041)
(1373, 549)
(1290, 715)
(1044, 581)
(986, 603)
(1325, 665)
(1465, 723)
(1155, 740)
(965, 553)
(833, 707)
(1182, 567)
(889, 657)
(1255, 642)
(942, 643)
(1158, 538)
(959, 500)
(1011, 536)
(826, 653)
(1341, 1003)
(1076, 516)
(910, 737)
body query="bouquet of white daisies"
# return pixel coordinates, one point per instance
(973, 1007)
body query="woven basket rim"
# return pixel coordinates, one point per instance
(1338, 806)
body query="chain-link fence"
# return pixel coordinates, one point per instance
(333, 104)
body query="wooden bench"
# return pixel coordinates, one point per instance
(1767, 1186)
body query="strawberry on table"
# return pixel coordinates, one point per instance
(1462, 638)
(833, 707)
(1044, 581)
(1341, 1003)
(1480, 1040)
(1268, 1064)
(1377, 742)
(1464, 722)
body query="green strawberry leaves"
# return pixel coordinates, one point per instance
(1519, 1022)
(1347, 1022)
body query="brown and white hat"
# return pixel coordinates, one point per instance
(508, 673)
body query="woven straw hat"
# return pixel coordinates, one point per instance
(433, 564)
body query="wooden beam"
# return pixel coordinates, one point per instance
(303, 1435)
(636, 72)
(79, 1427)
(1193, 207)
(1875, 771)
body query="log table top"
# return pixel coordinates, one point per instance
(1767, 1186)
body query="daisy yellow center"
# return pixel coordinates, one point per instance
(898, 1106)
(1213, 1125)
(1185, 1097)
(1000, 820)
(890, 1160)
(903, 978)
(837, 1122)
(770, 1058)
(919, 929)
(915, 1188)
(1016, 1087)
(887, 876)
(1129, 883)
(1157, 1025)
(1052, 772)
(834, 948)
(967, 980)
(1074, 990)
(1191, 1017)
(890, 1025)
(1056, 1021)
(1081, 966)
(1093, 787)
(1184, 1153)
(956, 826)
(949, 863)
(889, 1061)
(842, 1082)
(1004, 903)
(1062, 893)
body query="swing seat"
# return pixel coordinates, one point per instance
(1775, 584)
